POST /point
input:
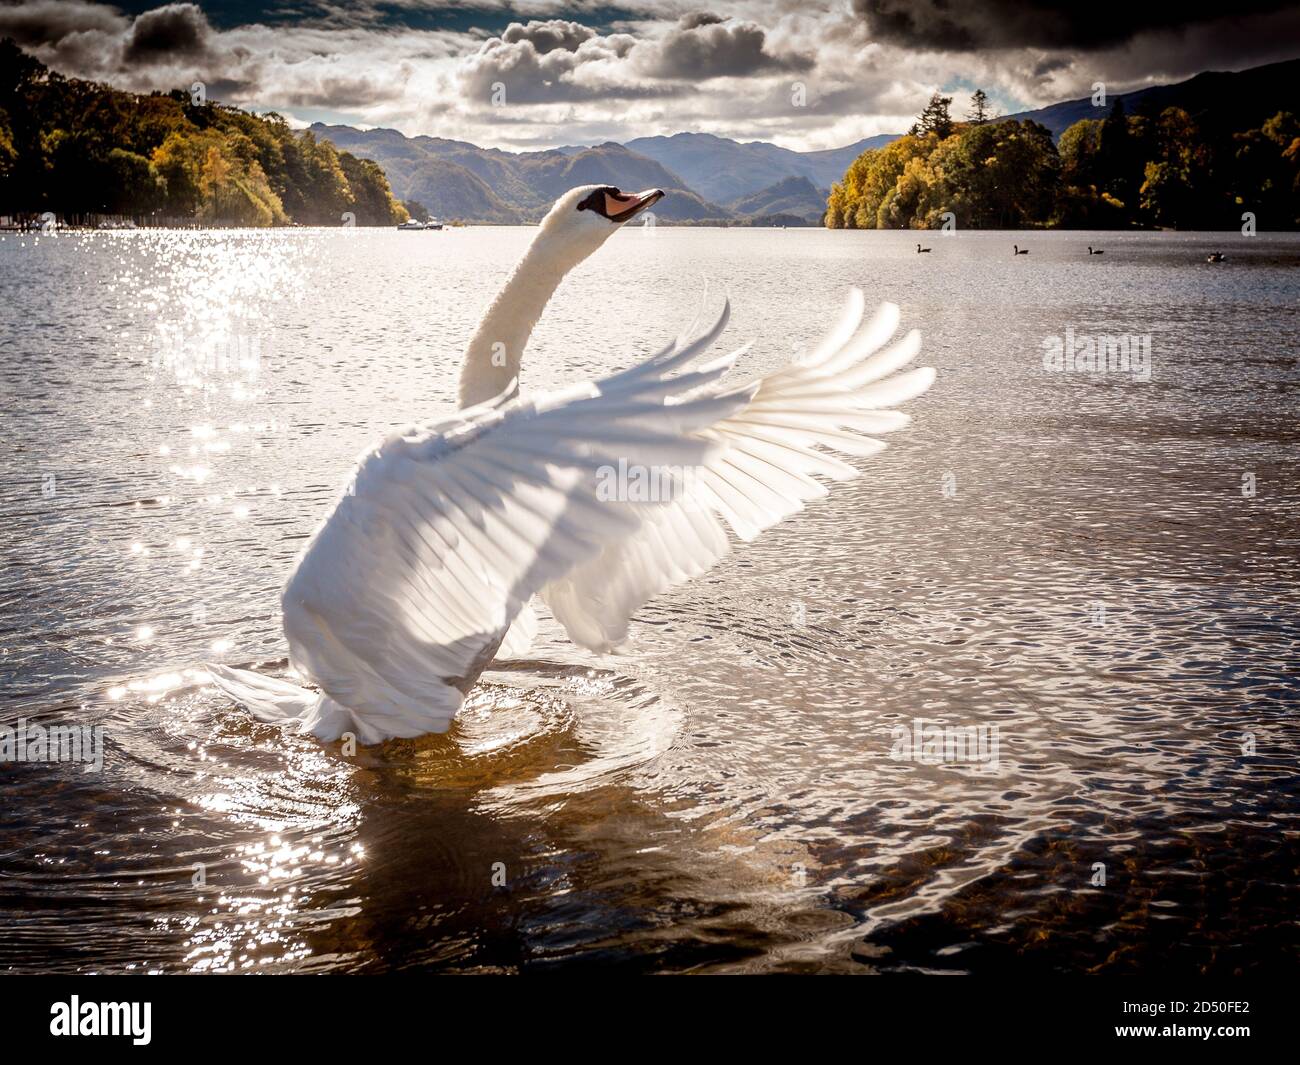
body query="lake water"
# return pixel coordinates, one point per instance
(1101, 565)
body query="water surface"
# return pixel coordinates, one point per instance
(1103, 567)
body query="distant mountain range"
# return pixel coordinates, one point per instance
(725, 170)
(717, 180)
(708, 178)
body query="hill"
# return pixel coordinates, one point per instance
(84, 150)
(793, 196)
(725, 170)
(1216, 100)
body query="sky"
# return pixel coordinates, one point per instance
(536, 74)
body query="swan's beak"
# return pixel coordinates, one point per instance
(624, 206)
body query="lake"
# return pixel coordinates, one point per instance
(1090, 576)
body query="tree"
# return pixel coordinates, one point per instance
(1079, 147)
(936, 118)
(1120, 158)
(78, 147)
(136, 187)
(1265, 173)
(374, 204)
(997, 174)
(1162, 168)
(979, 107)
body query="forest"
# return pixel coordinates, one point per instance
(80, 150)
(1164, 170)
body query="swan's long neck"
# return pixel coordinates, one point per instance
(494, 353)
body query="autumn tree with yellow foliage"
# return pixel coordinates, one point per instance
(82, 149)
(1156, 170)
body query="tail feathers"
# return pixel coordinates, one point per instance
(279, 702)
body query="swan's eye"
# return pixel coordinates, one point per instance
(599, 200)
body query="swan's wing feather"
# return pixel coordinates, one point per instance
(764, 469)
(409, 586)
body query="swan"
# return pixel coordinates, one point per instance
(424, 570)
(1017, 250)
(921, 251)
(1099, 251)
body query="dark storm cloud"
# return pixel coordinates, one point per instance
(1049, 65)
(703, 46)
(52, 21)
(1085, 25)
(174, 30)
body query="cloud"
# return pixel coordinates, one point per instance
(704, 46)
(167, 32)
(700, 18)
(1083, 25)
(572, 63)
(586, 70)
(549, 35)
(49, 21)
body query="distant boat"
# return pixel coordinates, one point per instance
(410, 226)
(1214, 257)
(431, 224)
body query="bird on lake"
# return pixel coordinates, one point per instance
(425, 569)
(1016, 249)
(922, 251)
(1214, 257)
(1098, 251)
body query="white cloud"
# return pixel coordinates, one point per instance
(570, 78)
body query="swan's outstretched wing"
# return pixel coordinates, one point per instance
(763, 470)
(523, 631)
(447, 530)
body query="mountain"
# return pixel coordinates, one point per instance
(458, 180)
(700, 172)
(420, 168)
(832, 162)
(796, 196)
(1215, 99)
(551, 174)
(726, 170)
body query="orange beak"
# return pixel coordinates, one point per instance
(624, 206)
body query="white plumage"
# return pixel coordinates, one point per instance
(409, 588)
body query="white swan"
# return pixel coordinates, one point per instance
(424, 570)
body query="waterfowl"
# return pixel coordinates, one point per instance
(424, 571)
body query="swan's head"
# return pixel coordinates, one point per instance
(584, 218)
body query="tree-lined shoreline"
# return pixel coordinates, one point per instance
(1125, 171)
(84, 150)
